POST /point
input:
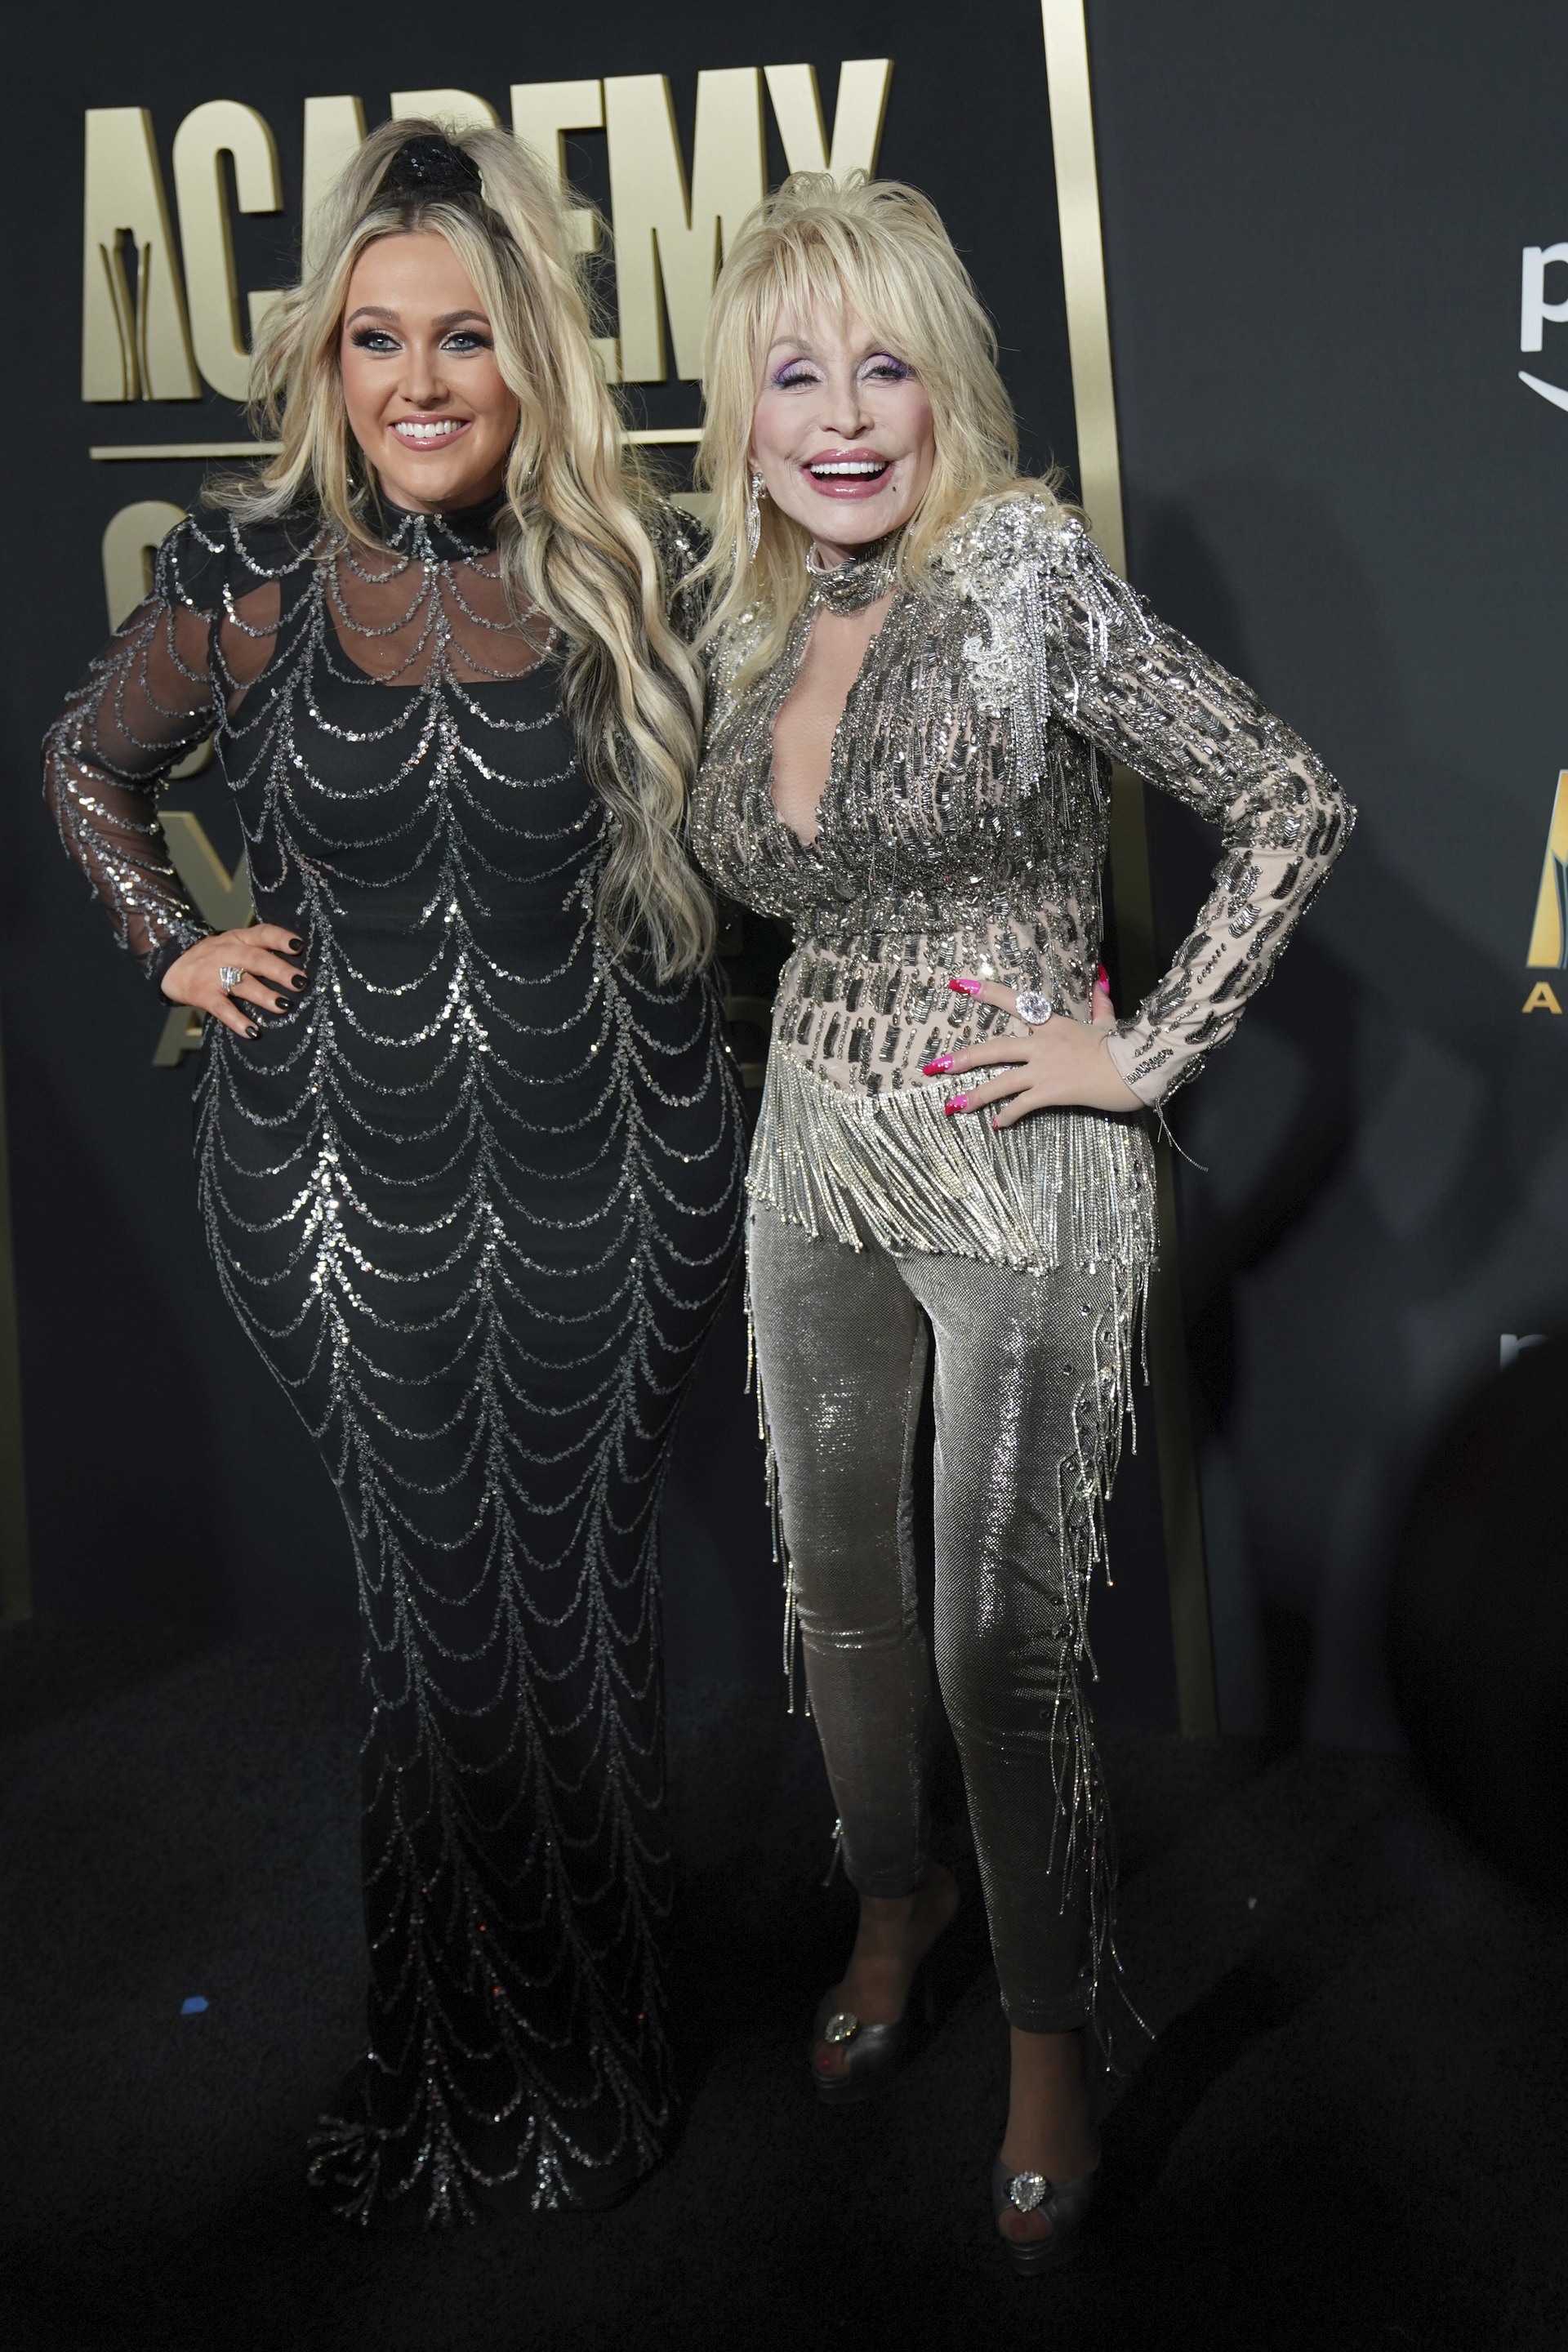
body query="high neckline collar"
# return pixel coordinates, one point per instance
(859, 579)
(451, 531)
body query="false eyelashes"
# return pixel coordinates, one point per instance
(792, 373)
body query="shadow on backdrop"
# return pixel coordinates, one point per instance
(1370, 1150)
(1477, 1637)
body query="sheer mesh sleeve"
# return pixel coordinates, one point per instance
(1145, 694)
(148, 699)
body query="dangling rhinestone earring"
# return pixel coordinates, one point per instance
(754, 514)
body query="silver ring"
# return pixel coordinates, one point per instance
(230, 975)
(1034, 1007)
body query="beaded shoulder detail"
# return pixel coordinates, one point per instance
(1017, 562)
(209, 557)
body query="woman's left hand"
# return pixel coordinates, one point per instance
(1060, 1066)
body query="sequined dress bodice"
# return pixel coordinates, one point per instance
(402, 771)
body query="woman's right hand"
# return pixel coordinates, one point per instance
(271, 981)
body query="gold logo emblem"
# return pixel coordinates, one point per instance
(1549, 932)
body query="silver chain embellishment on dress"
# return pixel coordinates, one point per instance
(475, 1199)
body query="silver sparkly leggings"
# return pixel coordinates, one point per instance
(1030, 1381)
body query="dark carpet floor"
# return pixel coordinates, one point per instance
(1352, 2130)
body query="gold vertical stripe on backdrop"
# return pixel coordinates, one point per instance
(16, 1581)
(1100, 485)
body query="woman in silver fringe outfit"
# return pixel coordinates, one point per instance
(921, 668)
(467, 1140)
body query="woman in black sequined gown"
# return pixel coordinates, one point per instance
(473, 1190)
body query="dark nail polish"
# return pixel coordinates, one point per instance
(301, 981)
(253, 1030)
(296, 947)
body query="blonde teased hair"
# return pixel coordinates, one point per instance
(874, 250)
(572, 538)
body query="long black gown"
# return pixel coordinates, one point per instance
(476, 1199)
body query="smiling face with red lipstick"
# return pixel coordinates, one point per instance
(843, 433)
(426, 397)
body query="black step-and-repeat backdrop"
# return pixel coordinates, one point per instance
(1337, 258)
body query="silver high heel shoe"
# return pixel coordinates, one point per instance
(1063, 2204)
(874, 2055)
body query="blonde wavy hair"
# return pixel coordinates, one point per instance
(573, 537)
(874, 250)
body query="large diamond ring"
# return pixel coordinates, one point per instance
(1035, 1006)
(230, 974)
(1028, 2189)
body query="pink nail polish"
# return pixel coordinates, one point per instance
(1105, 980)
(966, 987)
(956, 1102)
(936, 1069)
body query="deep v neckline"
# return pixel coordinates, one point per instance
(809, 847)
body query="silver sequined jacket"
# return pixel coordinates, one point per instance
(963, 829)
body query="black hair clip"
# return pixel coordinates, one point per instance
(428, 165)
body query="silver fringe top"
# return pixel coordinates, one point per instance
(963, 828)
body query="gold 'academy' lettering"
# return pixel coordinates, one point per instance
(863, 85)
(662, 234)
(1541, 999)
(222, 127)
(670, 232)
(541, 114)
(134, 345)
(334, 129)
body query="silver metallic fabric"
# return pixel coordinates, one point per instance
(963, 829)
(1062, 1188)
(1031, 1383)
(965, 821)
